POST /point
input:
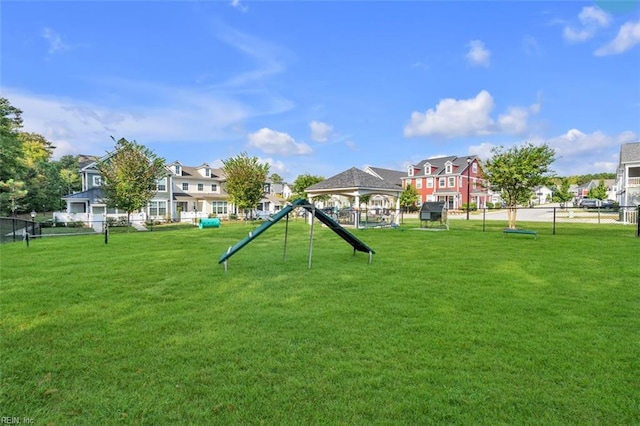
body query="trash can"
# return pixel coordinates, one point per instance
(213, 222)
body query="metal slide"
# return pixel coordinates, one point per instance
(319, 214)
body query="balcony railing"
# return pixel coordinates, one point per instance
(634, 181)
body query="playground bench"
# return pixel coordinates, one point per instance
(520, 231)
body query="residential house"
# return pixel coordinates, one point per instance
(197, 192)
(454, 180)
(542, 195)
(275, 196)
(628, 175)
(89, 206)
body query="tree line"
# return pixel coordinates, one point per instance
(30, 180)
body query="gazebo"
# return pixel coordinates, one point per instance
(356, 183)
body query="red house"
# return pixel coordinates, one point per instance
(452, 179)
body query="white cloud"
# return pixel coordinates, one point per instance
(483, 150)
(55, 41)
(81, 127)
(591, 15)
(276, 166)
(478, 55)
(320, 132)
(239, 6)
(277, 143)
(265, 55)
(628, 36)
(580, 153)
(577, 152)
(454, 118)
(514, 121)
(531, 46)
(351, 145)
(469, 117)
(592, 18)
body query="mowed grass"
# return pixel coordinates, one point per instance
(451, 327)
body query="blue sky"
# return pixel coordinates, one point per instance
(321, 86)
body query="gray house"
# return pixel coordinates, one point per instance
(628, 175)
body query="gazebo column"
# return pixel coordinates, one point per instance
(396, 219)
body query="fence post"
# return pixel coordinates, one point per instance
(13, 225)
(638, 221)
(484, 217)
(554, 221)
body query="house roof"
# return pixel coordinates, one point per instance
(354, 178)
(630, 152)
(192, 172)
(84, 160)
(438, 163)
(393, 176)
(94, 195)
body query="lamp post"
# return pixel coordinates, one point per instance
(468, 186)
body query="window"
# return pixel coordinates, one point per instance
(452, 182)
(161, 184)
(448, 167)
(427, 169)
(408, 182)
(410, 172)
(219, 207)
(178, 170)
(185, 186)
(207, 172)
(200, 187)
(442, 182)
(97, 180)
(418, 183)
(158, 208)
(214, 187)
(430, 182)
(474, 168)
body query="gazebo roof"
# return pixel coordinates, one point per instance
(353, 178)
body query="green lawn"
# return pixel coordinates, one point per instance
(454, 327)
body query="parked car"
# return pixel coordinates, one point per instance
(261, 215)
(590, 203)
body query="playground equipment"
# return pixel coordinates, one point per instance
(213, 222)
(284, 214)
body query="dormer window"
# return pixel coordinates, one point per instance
(177, 169)
(410, 171)
(448, 167)
(427, 169)
(207, 172)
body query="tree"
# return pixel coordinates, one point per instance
(12, 192)
(364, 199)
(600, 192)
(11, 166)
(276, 178)
(130, 175)
(245, 179)
(562, 194)
(409, 197)
(302, 182)
(516, 171)
(40, 177)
